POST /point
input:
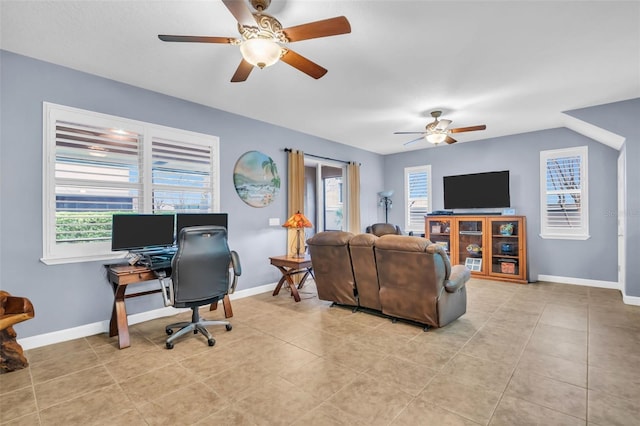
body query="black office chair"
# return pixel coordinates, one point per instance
(200, 276)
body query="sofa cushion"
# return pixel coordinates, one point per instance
(363, 262)
(331, 263)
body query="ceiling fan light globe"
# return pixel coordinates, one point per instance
(260, 52)
(436, 138)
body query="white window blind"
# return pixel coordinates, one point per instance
(97, 173)
(96, 165)
(417, 196)
(181, 176)
(564, 204)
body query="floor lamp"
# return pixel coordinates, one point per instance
(385, 201)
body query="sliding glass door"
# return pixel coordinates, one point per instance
(325, 198)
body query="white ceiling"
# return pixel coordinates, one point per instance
(514, 66)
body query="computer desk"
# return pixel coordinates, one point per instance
(120, 276)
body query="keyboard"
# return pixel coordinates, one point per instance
(157, 261)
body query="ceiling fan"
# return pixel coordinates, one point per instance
(262, 42)
(437, 131)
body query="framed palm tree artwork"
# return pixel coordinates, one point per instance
(256, 179)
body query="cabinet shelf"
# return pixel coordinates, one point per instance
(499, 257)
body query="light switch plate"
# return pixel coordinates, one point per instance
(274, 221)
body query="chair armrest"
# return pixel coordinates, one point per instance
(459, 276)
(237, 270)
(165, 288)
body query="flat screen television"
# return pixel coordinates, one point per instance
(139, 232)
(477, 190)
(199, 219)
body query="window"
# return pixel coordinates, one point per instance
(333, 203)
(417, 184)
(96, 165)
(564, 199)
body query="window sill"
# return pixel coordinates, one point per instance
(565, 236)
(78, 259)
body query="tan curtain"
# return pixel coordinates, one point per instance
(295, 191)
(353, 212)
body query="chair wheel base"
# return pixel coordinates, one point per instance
(228, 327)
(169, 345)
(211, 342)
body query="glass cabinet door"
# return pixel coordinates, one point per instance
(439, 232)
(505, 247)
(470, 243)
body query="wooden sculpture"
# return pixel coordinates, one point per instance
(12, 311)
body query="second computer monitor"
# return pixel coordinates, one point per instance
(184, 220)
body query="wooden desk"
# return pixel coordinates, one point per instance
(120, 276)
(290, 266)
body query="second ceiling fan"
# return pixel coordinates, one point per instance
(438, 131)
(263, 39)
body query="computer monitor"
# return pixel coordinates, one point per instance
(199, 219)
(140, 232)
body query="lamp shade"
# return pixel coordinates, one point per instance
(297, 221)
(260, 52)
(436, 138)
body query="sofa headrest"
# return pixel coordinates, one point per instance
(363, 240)
(381, 229)
(330, 238)
(402, 243)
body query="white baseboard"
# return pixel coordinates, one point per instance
(628, 300)
(103, 326)
(579, 281)
(631, 300)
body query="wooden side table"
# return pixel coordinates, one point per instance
(290, 266)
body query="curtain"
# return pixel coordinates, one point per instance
(295, 191)
(353, 212)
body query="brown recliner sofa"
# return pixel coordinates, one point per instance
(400, 276)
(380, 229)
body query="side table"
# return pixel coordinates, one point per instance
(290, 266)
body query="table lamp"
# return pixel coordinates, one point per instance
(297, 222)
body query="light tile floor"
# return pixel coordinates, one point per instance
(544, 354)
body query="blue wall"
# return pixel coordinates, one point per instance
(77, 294)
(622, 118)
(594, 259)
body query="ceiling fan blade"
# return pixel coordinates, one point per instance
(324, 28)
(468, 129)
(450, 140)
(303, 64)
(414, 141)
(240, 11)
(196, 39)
(409, 133)
(243, 71)
(442, 124)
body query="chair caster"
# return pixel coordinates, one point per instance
(169, 345)
(228, 327)
(169, 331)
(211, 342)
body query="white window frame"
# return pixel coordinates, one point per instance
(53, 253)
(580, 232)
(408, 226)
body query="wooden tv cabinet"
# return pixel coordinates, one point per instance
(492, 247)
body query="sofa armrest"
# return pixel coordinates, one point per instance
(459, 276)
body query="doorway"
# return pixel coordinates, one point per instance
(325, 201)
